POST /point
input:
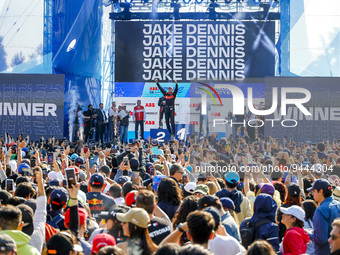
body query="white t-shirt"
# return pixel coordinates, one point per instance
(225, 245)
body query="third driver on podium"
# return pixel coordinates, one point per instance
(139, 118)
(169, 97)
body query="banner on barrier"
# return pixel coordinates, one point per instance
(32, 104)
(193, 50)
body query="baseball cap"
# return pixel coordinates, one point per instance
(137, 216)
(232, 177)
(62, 243)
(74, 156)
(97, 180)
(267, 188)
(22, 167)
(59, 196)
(27, 218)
(295, 211)
(131, 197)
(320, 184)
(52, 175)
(7, 243)
(227, 203)
(202, 188)
(190, 187)
(207, 201)
(78, 161)
(336, 193)
(102, 240)
(82, 214)
(123, 179)
(53, 182)
(293, 189)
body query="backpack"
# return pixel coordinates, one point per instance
(160, 101)
(55, 221)
(248, 231)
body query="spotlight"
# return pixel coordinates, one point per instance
(199, 1)
(128, 1)
(186, 1)
(227, 1)
(257, 1)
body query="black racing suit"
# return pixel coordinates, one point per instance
(169, 108)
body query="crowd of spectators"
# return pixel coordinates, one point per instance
(201, 195)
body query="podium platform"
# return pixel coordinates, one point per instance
(182, 130)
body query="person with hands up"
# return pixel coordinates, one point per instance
(39, 218)
(76, 219)
(169, 97)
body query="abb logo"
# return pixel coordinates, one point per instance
(193, 105)
(131, 113)
(153, 88)
(194, 122)
(150, 122)
(150, 105)
(216, 114)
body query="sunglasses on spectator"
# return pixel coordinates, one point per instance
(334, 237)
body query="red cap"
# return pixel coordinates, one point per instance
(102, 240)
(131, 197)
(82, 213)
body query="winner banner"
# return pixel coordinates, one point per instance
(186, 51)
(32, 104)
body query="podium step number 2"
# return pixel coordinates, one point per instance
(161, 134)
